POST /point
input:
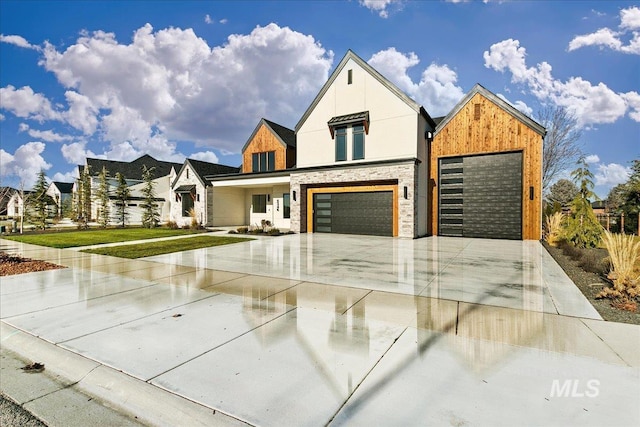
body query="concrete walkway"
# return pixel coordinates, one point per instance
(315, 330)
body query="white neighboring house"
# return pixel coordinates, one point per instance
(164, 173)
(15, 204)
(190, 190)
(60, 193)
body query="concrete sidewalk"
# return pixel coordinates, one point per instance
(161, 343)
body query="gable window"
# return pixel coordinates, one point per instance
(341, 144)
(263, 162)
(259, 202)
(286, 206)
(349, 77)
(358, 142)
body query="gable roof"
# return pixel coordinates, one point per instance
(131, 170)
(64, 187)
(350, 55)
(286, 136)
(205, 168)
(526, 120)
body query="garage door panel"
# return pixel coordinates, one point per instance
(481, 196)
(369, 213)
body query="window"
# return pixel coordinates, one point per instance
(358, 142)
(259, 202)
(286, 206)
(263, 162)
(341, 144)
(349, 77)
(187, 173)
(187, 203)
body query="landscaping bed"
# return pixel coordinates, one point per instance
(591, 283)
(13, 264)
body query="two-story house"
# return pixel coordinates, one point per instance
(260, 192)
(361, 157)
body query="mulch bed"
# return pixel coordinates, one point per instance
(590, 284)
(13, 264)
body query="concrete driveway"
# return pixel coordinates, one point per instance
(325, 329)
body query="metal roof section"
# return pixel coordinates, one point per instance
(347, 119)
(350, 55)
(478, 88)
(185, 188)
(286, 136)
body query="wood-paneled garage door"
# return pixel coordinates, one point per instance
(354, 212)
(481, 196)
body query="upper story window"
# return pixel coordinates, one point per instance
(341, 144)
(357, 126)
(358, 142)
(263, 162)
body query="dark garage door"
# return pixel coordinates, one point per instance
(354, 213)
(481, 196)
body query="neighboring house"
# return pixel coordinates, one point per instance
(164, 175)
(486, 171)
(361, 157)
(60, 193)
(192, 191)
(15, 204)
(261, 192)
(599, 207)
(5, 196)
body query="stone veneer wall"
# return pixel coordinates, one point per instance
(404, 173)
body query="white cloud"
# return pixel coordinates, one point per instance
(519, 105)
(177, 87)
(380, 6)
(593, 158)
(591, 104)
(608, 38)
(18, 41)
(207, 19)
(612, 174)
(25, 163)
(205, 156)
(436, 91)
(25, 103)
(76, 152)
(66, 177)
(223, 21)
(46, 135)
(2, 117)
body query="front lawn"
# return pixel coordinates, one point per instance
(140, 250)
(70, 239)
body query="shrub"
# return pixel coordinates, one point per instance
(553, 229)
(172, 225)
(623, 253)
(194, 220)
(592, 262)
(273, 232)
(570, 250)
(242, 230)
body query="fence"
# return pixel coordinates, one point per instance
(617, 223)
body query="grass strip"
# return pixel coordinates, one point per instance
(70, 239)
(139, 250)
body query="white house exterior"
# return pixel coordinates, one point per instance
(361, 156)
(60, 193)
(190, 190)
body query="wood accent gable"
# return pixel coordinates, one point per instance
(483, 127)
(265, 140)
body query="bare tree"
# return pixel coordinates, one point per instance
(561, 147)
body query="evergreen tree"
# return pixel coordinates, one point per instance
(122, 194)
(583, 228)
(37, 202)
(631, 205)
(562, 192)
(102, 194)
(150, 214)
(82, 198)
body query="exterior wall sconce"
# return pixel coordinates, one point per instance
(406, 192)
(277, 205)
(428, 135)
(294, 195)
(268, 197)
(531, 194)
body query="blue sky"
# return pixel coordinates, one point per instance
(192, 79)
